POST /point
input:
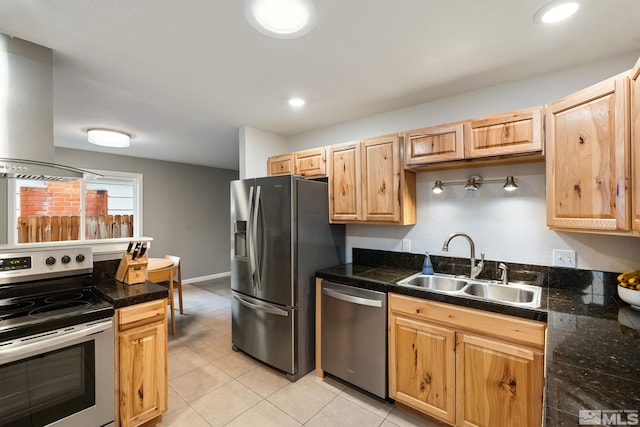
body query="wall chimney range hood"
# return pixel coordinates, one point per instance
(26, 113)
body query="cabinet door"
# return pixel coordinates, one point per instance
(635, 145)
(517, 132)
(143, 374)
(434, 144)
(497, 384)
(345, 201)
(280, 165)
(588, 158)
(311, 162)
(422, 366)
(381, 176)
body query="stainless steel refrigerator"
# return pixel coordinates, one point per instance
(280, 236)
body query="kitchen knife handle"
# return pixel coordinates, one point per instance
(129, 247)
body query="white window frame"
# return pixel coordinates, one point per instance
(99, 245)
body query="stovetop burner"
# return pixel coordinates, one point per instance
(10, 309)
(31, 308)
(59, 309)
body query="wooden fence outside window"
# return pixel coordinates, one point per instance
(56, 228)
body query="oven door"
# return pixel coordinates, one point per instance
(59, 378)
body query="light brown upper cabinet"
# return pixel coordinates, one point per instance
(280, 165)
(587, 161)
(311, 163)
(307, 163)
(434, 144)
(635, 145)
(516, 132)
(511, 137)
(367, 183)
(345, 184)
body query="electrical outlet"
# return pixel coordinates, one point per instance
(564, 258)
(406, 245)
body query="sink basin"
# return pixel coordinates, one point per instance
(434, 283)
(516, 294)
(502, 293)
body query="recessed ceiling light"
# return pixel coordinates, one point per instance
(282, 19)
(108, 138)
(296, 102)
(556, 11)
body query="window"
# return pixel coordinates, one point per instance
(106, 207)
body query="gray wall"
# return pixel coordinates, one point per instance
(185, 207)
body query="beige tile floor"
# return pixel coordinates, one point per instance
(210, 385)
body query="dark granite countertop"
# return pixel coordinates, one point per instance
(122, 295)
(593, 337)
(384, 279)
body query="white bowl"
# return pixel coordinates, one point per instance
(629, 296)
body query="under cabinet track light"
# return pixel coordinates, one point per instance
(474, 182)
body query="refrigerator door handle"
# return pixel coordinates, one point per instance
(270, 309)
(352, 299)
(252, 260)
(254, 229)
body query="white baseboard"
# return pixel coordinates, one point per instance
(209, 277)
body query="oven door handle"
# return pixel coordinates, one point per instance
(24, 347)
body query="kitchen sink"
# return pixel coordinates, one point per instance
(436, 283)
(512, 293)
(504, 293)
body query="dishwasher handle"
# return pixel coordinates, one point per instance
(350, 298)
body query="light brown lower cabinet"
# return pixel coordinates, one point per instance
(141, 363)
(463, 366)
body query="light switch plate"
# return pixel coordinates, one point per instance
(564, 258)
(406, 245)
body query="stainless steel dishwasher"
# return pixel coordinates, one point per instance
(354, 336)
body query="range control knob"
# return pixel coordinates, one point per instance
(50, 261)
(79, 258)
(66, 259)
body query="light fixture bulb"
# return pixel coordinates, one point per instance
(473, 183)
(510, 184)
(556, 11)
(297, 102)
(108, 138)
(284, 19)
(437, 187)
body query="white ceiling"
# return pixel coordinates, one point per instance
(183, 76)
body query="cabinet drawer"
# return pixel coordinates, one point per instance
(509, 328)
(518, 132)
(434, 144)
(141, 314)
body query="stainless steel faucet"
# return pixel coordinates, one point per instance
(504, 272)
(475, 269)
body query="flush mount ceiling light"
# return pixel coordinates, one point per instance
(297, 102)
(108, 138)
(281, 19)
(556, 11)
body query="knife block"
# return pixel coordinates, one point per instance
(132, 271)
